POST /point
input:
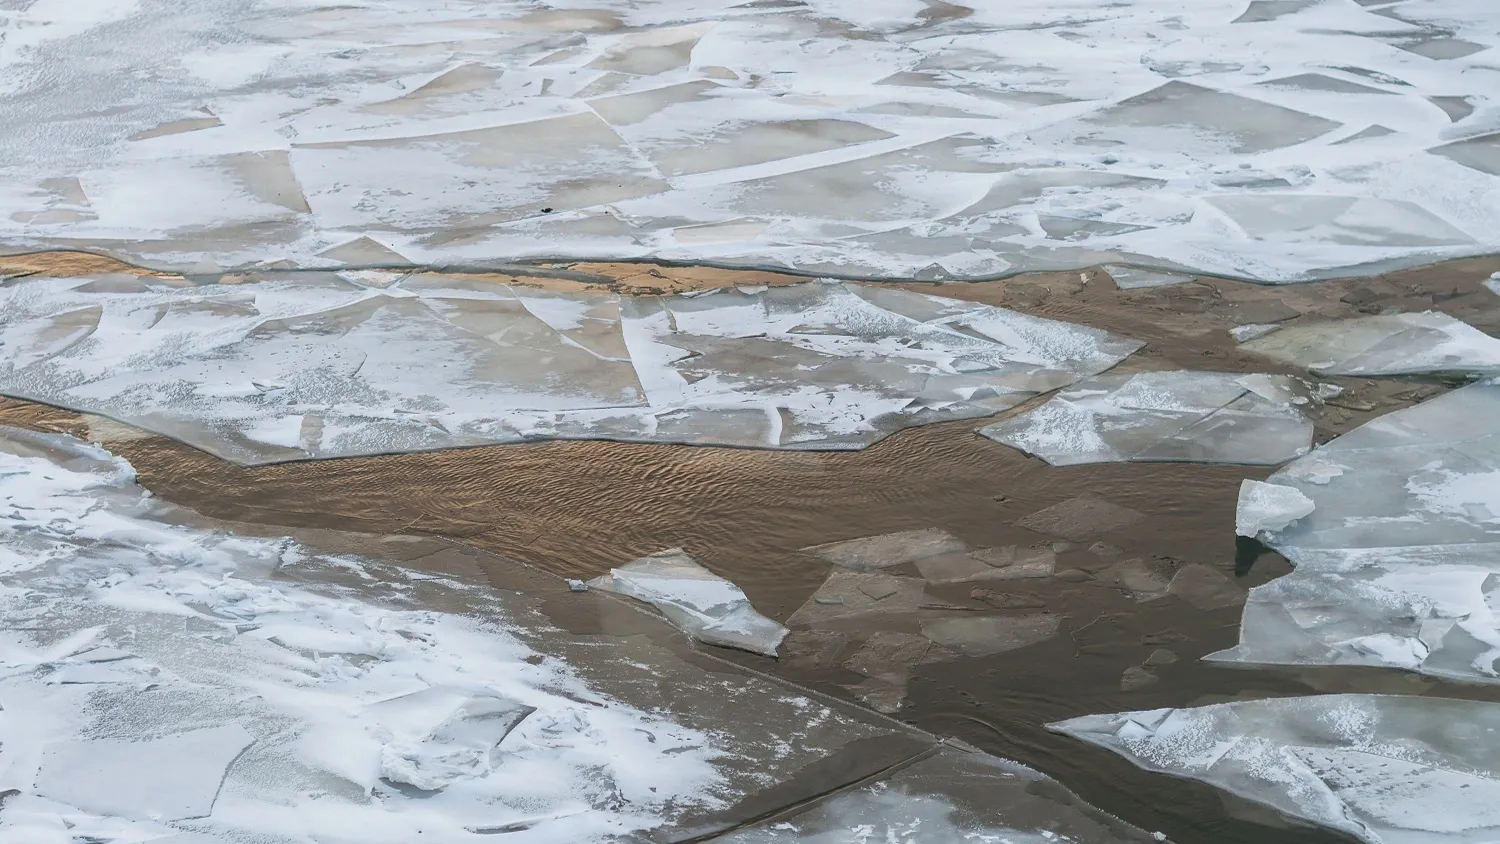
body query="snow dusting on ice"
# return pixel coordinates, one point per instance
(1384, 769)
(314, 365)
(1268, 139)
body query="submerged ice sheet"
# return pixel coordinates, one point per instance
(313, 366)
(887, 139)
(1395, 344)
(1384, 769)
(1394, 530)
(279, 694)
(1210, 417)
(704, 605)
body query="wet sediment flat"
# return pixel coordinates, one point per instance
(576, 509)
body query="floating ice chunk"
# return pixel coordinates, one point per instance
(1134, 278)
(1245, 333)
(891, 549)
(988, 635)
(706, 606)
(847, 594)
(1493, 284)
(1384, 769)
(169, 778)
(1269, 508)
(1211, 417)
(1394, 344)
(1399, 563)
(1081, 518)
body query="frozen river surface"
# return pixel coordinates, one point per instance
(1275, 139)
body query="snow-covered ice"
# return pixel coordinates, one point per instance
(316, 365)
(704, 605)
(1273, 140)
(1394, 530)
(1209, 417)
(280, 694)
(1384, 769)
(1427, 343)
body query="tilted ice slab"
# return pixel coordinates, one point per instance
(1394, 530)
(270, 693)
(704, 605)
(1210, 417)
(1384, 769)
(1395, 344)
(1269, 139)
(316, 365)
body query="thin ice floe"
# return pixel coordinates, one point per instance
(704, 605)
(262, 691)
(862, 600)
(1428, 343)
(1209, 417)
(1394, 530)
(1384, 769)
(1273, 140)
(316, 365)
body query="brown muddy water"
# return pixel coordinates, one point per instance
(576, 509)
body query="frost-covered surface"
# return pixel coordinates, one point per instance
(1208, 417)
(1268, 138)
(163, 679)
(1387, 770)
(316, 365)
(1392, 344)
(704, 605)
(1396, 544)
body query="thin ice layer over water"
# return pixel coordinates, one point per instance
(1391, 344)
(1276, 140)
(1384, 769)
(1209, 417)
(706, 606)
(264, 692)
(314, 366)
(1394, 529)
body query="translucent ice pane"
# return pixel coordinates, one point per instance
(1167, 416)
(1383, 769)
(1395, 344)
(1185, 115)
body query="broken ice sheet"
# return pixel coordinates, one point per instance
(704, 605)
(1210, 417)
(1383, 769)
(171, 778)
(956, 794)
(441, 735)
(1394, 532)
(887, 550)
(310, 366)
(1393, 344)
